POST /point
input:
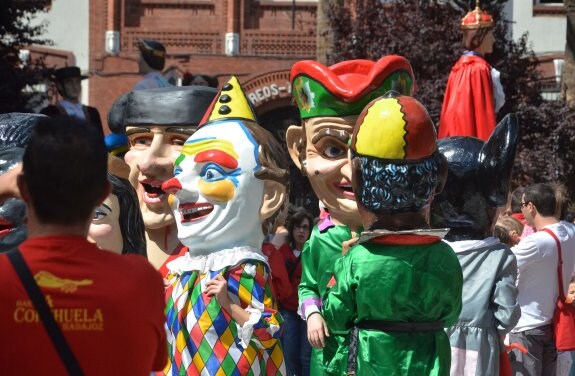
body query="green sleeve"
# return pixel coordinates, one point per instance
(339, 305)
(308, 294)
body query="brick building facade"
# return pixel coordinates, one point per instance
(258, 41)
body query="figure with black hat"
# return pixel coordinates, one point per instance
(151, 63)
(474, 92)
(157, 122)
(69, 84)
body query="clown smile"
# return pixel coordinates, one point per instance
(345, 187)
(5, 227)
(195, 212)
(153, 192)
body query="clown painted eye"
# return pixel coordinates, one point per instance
(213, 172)
(177, 170)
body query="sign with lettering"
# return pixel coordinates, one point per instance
(269, 92)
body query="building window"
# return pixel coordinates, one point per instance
(548, 8)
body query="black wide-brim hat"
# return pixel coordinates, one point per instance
(68, 72)
(172, 106)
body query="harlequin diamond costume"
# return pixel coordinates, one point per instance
(401, 285)
(225, 170)
(474, 93)
(329, 100)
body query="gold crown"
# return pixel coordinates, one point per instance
(477, 19)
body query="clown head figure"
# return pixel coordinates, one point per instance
(15, 131)
(230, 179)
(329, 100)
(396, 168)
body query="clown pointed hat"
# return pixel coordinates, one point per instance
(345, 88)
(230, 103)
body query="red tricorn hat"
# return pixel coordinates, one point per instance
(345, 88)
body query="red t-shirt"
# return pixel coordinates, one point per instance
(286, 274)
(110, 307)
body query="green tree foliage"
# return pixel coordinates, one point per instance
(427, 33)
(16, 32)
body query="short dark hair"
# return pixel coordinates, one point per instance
(295, 219)
(516, 197)
(64, 168)
(543, 197)
(130, 218)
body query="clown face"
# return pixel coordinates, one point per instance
(217, 197)
(327, 166)
(153, 150)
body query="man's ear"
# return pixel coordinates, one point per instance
(23, 188)
(106, 192)
(294, 143)
(273, 198)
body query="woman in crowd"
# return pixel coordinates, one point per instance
(285, 263)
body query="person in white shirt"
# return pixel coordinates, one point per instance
(537, 281)
(151, 63)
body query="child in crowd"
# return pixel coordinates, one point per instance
(508, 230)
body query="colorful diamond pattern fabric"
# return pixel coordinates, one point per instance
(204, 339)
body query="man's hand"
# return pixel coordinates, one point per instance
(316, 330)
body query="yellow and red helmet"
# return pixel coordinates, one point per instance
(396, 128)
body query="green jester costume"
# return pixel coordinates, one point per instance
(318, 260)
(400, 286)
(329, 100)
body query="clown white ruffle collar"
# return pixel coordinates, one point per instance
(216, 260)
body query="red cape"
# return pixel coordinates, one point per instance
(468, 106)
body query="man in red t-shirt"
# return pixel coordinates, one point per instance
(109, 307)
